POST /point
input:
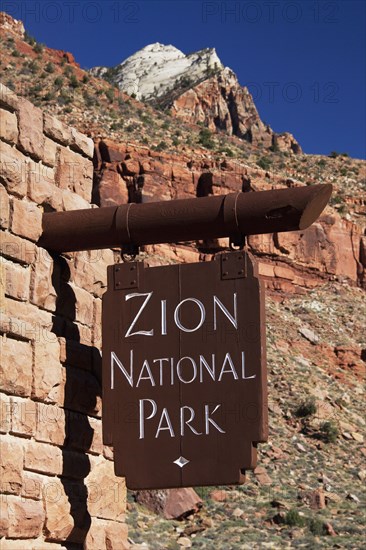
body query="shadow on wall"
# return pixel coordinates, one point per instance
(78, 432)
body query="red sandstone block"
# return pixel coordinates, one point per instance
(42, 458)
(49, 152)
(75, 173)
(8, 126)
(8, 98)
(284, 272)
(23, 416)
(14, 247)
(66, 513)
(11, 465)
(48, 371)
(42, 291)
(72, 201)
(266, 270)
(107, 534)
(5, 413)
(50, 424)
(117, 536)
(15, 366)
(26, 518)
(17, 280)
(84, 303)
(106, 492)
(31, 138)
(41, 186)
(13, 169)
(56, 130)
(4, 518)
(89, 270)
(4, 208)
(29, 544)
(81, 143)
(27, 321)
(26, 220)
(33, 484)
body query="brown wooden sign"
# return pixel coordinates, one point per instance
(184, 371)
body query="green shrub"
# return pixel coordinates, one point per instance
(48, 96)
(15, 53)
(38, 47)
(316, 526)
(335, 154)
(29, 39)
(161, 146)
(329, 432)
(73, 81)
(85, 79)
(131, 127)
(228, 151)
(58, 81)
(33, 66)
(306, 408)
(10, 84)
(294, 519)
(49, 68)
(205, 139)
(110, 94)
(264, 163)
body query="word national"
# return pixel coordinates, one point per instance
(168, 370)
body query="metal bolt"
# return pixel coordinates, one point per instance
(132, 268)
(118, 284)
(133, 282)
(241, 272)
(117, 269)
(225, 274)
(224, 259)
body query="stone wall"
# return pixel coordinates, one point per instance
(57, 480)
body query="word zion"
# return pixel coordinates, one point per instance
(168, 370)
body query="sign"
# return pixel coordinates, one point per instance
(184, 371)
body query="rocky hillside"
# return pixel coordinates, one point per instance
(196, 88)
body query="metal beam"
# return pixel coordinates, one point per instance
(211, 217)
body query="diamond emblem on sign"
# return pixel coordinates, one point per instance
(181, 461)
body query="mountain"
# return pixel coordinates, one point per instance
(196, 88)
(157, 69)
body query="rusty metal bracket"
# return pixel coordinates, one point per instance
(129, 252)
(237, 243)
(126, 275)
(233, 265)
(231, 220)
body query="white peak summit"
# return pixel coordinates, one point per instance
(157, 47)
(157, 68)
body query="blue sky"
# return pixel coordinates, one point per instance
(303, 60)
